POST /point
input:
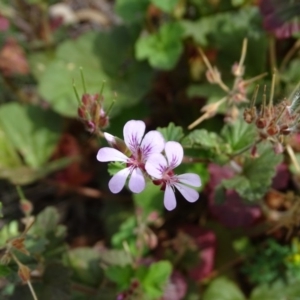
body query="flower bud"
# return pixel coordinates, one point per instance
(24, 272)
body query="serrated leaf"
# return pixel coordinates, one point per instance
(223, 289)
(156, 278)
(165, 5)
(163, 48)
(239, 134)
(33, 131)
(257, 174)
(203, 138)
(120, 275)
(172, 132)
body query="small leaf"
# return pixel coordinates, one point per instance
(163, 48)
(33, 131)
(239, 134)
(165, 5)
(257, 174)
(223, 289)
(172, 132)
(120, 275)
(156, 278)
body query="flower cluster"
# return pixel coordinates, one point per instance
(273, 122)
(143, 159)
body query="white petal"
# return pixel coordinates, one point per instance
(110, 138)
(117, 182)
(169, 198)
(153, 142)
(110, 154)
(155, 165)
(137, 181)
(133, 133)
(190, 179)
(174, 153)
(188, 193)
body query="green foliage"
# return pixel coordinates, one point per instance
(115, 167)
(267, 264)
(256, 175)
(163, 48)
(153, 282)
(211, 145)
(223, 289)
(47, 231)
(165, 5)
(33, 131)
(85, 265)
(277, 291)
(239, 135)
(131, 10)
(172, 132)
(90, 52)
(120, 275)
(152, 279)
(150, 199)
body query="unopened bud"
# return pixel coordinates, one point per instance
(24, 272)
(237, 70)
(26, 207)
(261, 123)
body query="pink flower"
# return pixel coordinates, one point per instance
(140, 148)
(162, 170)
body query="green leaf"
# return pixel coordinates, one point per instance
(172, 132)
(165, 5)
(99, 56)
(277, 291)
(199, 30)
(149, 199)
(26, 175)
(115, 257)
(156, 278)
(132, 10)
(85, 264)
(33, 131)
(256, 176)
(223, 289)
(211, 144)
(115, 167)
(163, 48)
(120, 275)
(239, 134)
(8, 156)
(4, 271)
(8, 232)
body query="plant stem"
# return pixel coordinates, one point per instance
(32, 290)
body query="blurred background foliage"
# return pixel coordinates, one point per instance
(238, 241)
